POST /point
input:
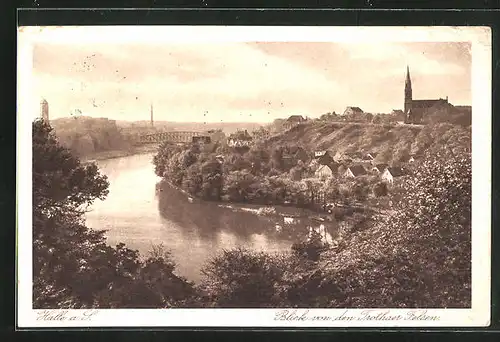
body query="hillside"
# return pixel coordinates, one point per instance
(391, 142)
(86, 136)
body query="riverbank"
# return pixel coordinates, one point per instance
(257, 209)
(112, 154)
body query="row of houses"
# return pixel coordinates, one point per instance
(238, 139)
(326, 166)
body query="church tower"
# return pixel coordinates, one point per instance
(408, 93)
(44, 110)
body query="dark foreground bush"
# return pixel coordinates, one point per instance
(243, 278)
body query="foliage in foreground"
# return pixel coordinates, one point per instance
(73, 267)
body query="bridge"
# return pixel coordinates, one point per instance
(173, 136)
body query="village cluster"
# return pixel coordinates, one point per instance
(324, 164)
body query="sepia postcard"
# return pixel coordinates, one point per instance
(210, 176)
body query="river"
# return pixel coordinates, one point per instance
(141, 211)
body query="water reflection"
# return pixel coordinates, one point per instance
(209, 219)
(140, 212)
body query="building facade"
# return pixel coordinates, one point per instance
(349, 111)
(44, 110)
(324, 172)
(415, 109)
(292, 121)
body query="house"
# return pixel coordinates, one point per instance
(379, 168)
(323, 157)
(204, 139)
(390, 173)
(293, 121)
(398, 113)
(353, 156)
(261, 133)
(217, 135)
(370, 156)
(324, 171)
(355, 171)
(324, 164)
(240, 139)
(353, 111)
(318, 154)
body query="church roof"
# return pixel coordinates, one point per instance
(426, 103)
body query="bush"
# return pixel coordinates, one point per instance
(242, 278)
(380, 189)
(311, 248)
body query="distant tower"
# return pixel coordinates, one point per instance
(408, 92)
(152, 122)
(44, 110)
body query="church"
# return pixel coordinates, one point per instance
(414, 110)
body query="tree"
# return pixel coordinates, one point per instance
(380, 189)
(60, 181)
(238, 185)
(242, 278)
(433, 221)
(73, 267)
(296, 173)
(212, 180)
(62, 189)
(377, 119)
(193, 180)
(277, 161)
(165, 152)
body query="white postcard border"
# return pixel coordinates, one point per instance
(478, 315)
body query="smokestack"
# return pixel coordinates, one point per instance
(152, 122)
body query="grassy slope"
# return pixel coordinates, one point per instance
(350, 137)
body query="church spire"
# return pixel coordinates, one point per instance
(408, 92)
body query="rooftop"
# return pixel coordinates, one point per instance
(357, 170)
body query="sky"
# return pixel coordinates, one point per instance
(243, 81)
